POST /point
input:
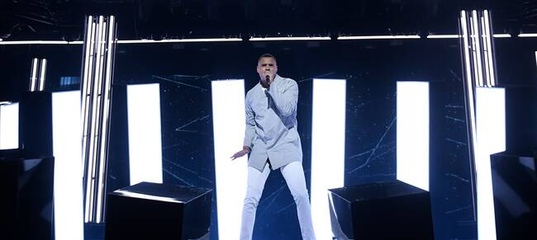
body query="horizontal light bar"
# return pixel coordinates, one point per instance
(378, 37)
(192, 40)
(527, 35)
(259, 39)
(40, 42)
(502, 35)
(254, 39)
(445, 36)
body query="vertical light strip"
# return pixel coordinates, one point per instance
(85, 83)
(469, 83)
(86, 95)
(42, 74)
(466, 50)
(327, 149)
(106, 92)
(491, 138)
(228, 129)
(96, 85)
(89, 127)
(33, 74)
(488, 53)
(145, 143)
(486, 109)
(476, 37)
(68, 206)
(485, 51)
(84, 86)
(95, 124)
(9, 125)
(413, 133)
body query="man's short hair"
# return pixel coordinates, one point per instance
(267, 55)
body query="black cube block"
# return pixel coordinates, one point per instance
(158, 211)
(26, 190)
(381, 210)
(514, 185)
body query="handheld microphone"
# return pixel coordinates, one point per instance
(265, 83)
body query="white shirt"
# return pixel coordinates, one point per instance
(271, 125)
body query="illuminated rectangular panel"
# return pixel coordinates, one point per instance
(327, 149)
(228, 127)
(145, 143)
(491, 138)
(9, 125)
(67, 150)
(413, 133)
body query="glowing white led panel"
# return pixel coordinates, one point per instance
(9, 125)
(490, 122)
(228, 127)
(327, 149)
(145, 143)
(413, 133)
(67, 150)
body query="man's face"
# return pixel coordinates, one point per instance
(267, 66)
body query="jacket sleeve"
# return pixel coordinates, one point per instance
(285, 96)
(249, 133)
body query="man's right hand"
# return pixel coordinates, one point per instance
(264, 83)
(245, 150)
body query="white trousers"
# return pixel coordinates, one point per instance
(293, 174)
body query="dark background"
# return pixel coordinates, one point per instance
(372, 68)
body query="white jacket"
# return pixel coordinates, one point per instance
(271, 124)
